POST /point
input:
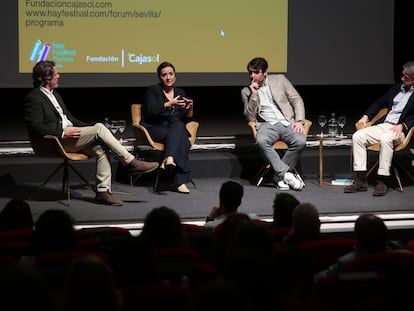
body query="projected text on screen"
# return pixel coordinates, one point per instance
(135, 36)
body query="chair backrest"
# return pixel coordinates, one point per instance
(16, 235)
(378, 116)
(279, 144)
(15, 248)
(142, 135)
(278, 233)
(381, 262)
(325, 252)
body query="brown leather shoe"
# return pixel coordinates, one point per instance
(357, 186)
(107, 198)
(140, 167)
(380, 189)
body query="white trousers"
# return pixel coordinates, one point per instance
(377, 134)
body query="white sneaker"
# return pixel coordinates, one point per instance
(293, 181)
(282, 186)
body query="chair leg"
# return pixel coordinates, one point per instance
(298, 176)
(46, 180)
(396, 166)
(133, 179)
(262, 174)
(397, 176)
(157, 180)
(82, 177)
(373, 167)
(65, 181)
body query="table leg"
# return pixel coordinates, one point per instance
(320, 161)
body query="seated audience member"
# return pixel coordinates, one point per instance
(230, 198)
(163, 228)
(306, 226)
(283, 206)
(250, 262)
(23, 289)
(371, 234)
(134, 263)
(90, 285)
(295, 278)
(54, 231)
(220, 293)
(16, 215)
(223, 234)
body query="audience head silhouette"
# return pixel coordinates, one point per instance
(163, 228)
(305, 219)
(230, 195)
(54, 231)
(306, 226)
(16, 215)
(283, 205)
(371, 232)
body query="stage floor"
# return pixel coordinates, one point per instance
(338, 210)
(19, 177)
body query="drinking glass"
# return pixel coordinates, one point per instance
(114, 127)
(322, 119)
(121, 129)
(341, 123)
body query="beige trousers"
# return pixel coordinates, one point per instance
(377, 134)
(98, 141)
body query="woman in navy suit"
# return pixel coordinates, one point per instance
(166, 110)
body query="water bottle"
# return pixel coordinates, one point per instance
(332, 126)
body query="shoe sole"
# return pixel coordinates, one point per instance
(379, 194)
(144, 172)
(283, 189)
(355, 191)
(108, 203)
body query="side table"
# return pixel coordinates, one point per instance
(330, 141)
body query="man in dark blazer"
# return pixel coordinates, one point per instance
(387, 131)
(46, 114)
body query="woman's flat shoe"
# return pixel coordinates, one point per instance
(183, 189)
(170, 162)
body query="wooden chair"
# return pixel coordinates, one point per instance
(143, 137)
(395, 165)
(280, 146)
(50, 146)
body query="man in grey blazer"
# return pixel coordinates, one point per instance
(279, 112)
(46, 114)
